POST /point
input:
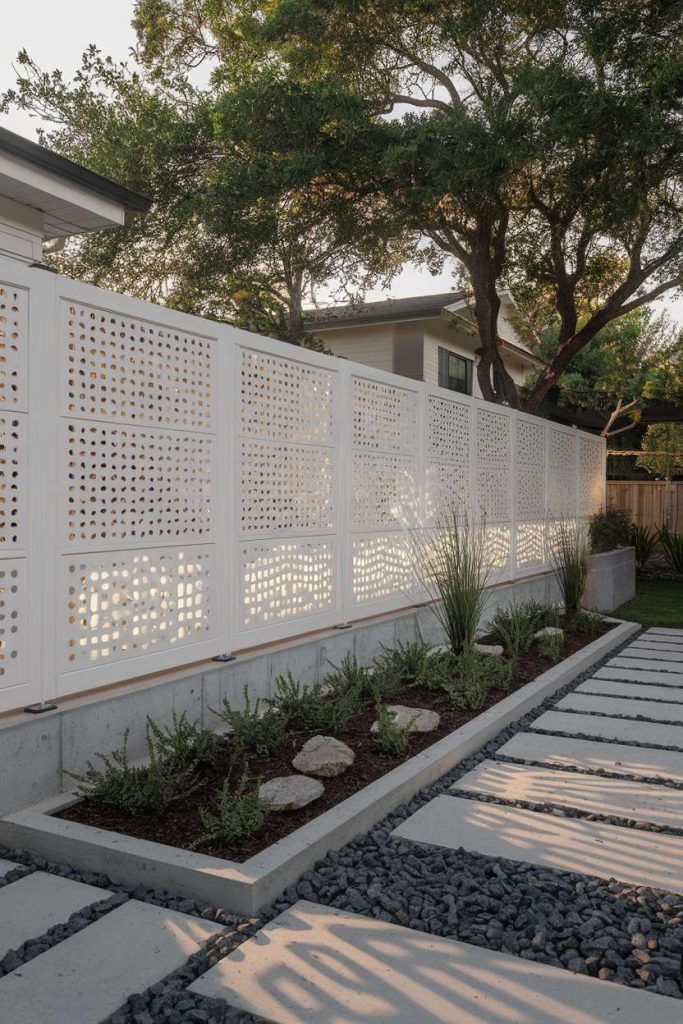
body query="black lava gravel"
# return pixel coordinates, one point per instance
(628, 934)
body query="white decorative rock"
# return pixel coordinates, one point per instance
(414, 719)
(324, 756)
(495, 649)
(289, 792)
(548, 631)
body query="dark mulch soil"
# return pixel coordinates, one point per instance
(182, 825)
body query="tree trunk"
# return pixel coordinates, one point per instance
(295, 313)
(495, 382)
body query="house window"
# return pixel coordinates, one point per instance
(455, 372)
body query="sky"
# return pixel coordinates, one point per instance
(55, 35)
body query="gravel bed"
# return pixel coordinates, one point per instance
(631, 935)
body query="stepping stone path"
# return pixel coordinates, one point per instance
(289, 792)
(414, 719)
(324, 756)
(89, 975)
(567, 794)
(316, 965)
(628, 724)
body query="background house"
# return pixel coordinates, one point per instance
(427, 337)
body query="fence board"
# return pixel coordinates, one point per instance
(650, 502)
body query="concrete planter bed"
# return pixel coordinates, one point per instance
(247, 887)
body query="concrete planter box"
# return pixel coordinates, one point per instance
(612, 579)
(247, 888)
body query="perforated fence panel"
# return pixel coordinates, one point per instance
(174, 488)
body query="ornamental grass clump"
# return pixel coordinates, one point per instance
(451, 563)
(644, 540)
(673, 547)
(569, 556)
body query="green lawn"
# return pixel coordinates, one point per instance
(657, 603)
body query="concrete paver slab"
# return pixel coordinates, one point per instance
(590, 756)
(641, 691)
(640, 675)
(665, 631)
(315, 964)
(90, 975)
(37, 902)
(641, 662)
(621, 730)
(633, 651)
(6, 866)
(568, 844)
(656, 711)
(623, 798)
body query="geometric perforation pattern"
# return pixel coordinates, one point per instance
(127, 484)
(14, 634)
(286, 487)
(13, 347)
(384, 416)
(380, 567)
(128, 604)
(591, 475)
(530, 469)
(128, 369)
(563, 483)
(284, 580)
(13, 465)
(448, 431)
(383, 490)
(285, 400)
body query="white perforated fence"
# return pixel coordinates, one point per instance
(172, 488)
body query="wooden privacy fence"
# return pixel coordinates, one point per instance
(174, 488)
(650, 502)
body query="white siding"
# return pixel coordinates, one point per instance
(372, 346)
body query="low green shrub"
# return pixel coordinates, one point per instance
(673, 548)
(437, 670)
(476, 675)
(348, 675)
(516, 624)
(585, 621)
(332, 714)
(183, 744)
(251, 730)
(403, 661)
(610, 528)
(392, 739)
(136, 789)
(644, 539)
(241, 814)
(293, 701)
(550, 647)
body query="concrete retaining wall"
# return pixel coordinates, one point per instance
(36, 750)
(612, 579)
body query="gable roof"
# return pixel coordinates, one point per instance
(416, 307)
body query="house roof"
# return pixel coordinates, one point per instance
(386, 310)
(32, 153)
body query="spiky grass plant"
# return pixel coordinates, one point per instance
(673, 547)
(644, 539)
(569, 557)
(451, 563)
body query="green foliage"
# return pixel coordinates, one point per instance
(569, 553)
(451, 563)
(662, 448)
(585, 621)
(515, 625)
(392, 739)
(293, 701)
(333, 713)
(239, 816)
(610, 528)
(673, 548)
(349, 675)
(398, 667)
(136, 789)
(476, 675)
(183, 744)
(437, 670)
(644, 539)
(550, 647)
(251, 730)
